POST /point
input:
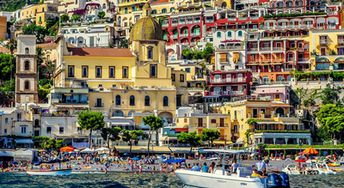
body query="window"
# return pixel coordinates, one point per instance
(23, 129)
(239, 33)
(99, 102)
(213, 121)
(84, 71)
(27, 51)
(218, 34)
(27, 65)
(132, 100)
(153, 70)
(111, 72)
(150, 52)
(19, 117)
(165, 101)
(163, 10)
(70, 70)
(5, 131)
(173, 77)
(188, 70)
(6, 120)
(118, 100)
(182, 79)
(125, 72)
(147, 101)
(229, 34)
(26, 85)
(61, 130)
(98, 71)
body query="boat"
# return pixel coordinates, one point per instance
(292, 169)
(221, 179)
(61, 172)
(88, 172)
(308, 168)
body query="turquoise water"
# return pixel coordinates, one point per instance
(125, 180)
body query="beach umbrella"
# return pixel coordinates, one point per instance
(66, 149)
(310, 151)
(300, 160)
(135, 158)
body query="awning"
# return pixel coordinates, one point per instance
(6, 154)
(222, 142)
(322, 60)
(24, 141)
(339, 60)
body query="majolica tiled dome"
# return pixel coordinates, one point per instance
(146, 28)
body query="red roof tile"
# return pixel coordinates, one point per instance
(159, 2)
(105, 52)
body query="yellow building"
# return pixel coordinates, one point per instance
(39, 13)
(270, 117)
(121, 82)
(199, 121)
(327, 49)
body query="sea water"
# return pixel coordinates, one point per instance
(146, 180)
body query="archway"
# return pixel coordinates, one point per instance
(280, 112)
(118, 113)
(167, 117)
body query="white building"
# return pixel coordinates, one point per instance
(93, 35)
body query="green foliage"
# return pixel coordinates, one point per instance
(7, 66)
(210, 135)
(131, 136)
(191, 138)
(49, 143)
(64, 18)
(11, 45)
(111, 133)
(329, 95)
(206, 53)
(248, 134)
(76, 17)
(252, 121)
(13, 5)
(92, 121)
(52, 26)
(155, 123)
(101, 14)
(123, 43)
(331, 119)
(39, 31)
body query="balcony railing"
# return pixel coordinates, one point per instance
(227, 80)
(223, 93)
(99, 105)
(323, 41)
(265, 48)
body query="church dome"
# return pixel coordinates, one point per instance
(146, 28)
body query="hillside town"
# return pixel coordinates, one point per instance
(172, 73)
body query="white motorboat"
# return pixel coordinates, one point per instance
(292, 169)
(220, 179)
(324, 169)
(62, 172)
(308, 168)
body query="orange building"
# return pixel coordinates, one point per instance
(3, 27)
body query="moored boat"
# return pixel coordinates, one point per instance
(61, 172)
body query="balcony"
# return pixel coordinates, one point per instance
(99, 105)
(227, 80)
(340, 41)
(303, 60)
(265, 48)
(278, 48)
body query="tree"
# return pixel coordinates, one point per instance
(191, 138)
(210, 135)
(248, 134)
(111, 134)
(101, 14)
(155, 123)
(92, 121)
(207, 52)
(123, 43)
(131, 136)
(331, 119)
(7, 66)
(11, 45)
(329, 95)
(64, 18)
(76, 17)
(39, 31)
(187, 53)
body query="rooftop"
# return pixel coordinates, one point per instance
(104, 52)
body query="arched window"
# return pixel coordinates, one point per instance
(27, 51)
(153, 11)
(165, 101)
(118, 100)
(171, 9)
(26, 85)
(218, 34)
(239, 33)
(150, 52)
(229, 34)
(147, 101)
(163, 10)
(27, 65)
(132, 100)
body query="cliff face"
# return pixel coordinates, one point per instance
(13, 5)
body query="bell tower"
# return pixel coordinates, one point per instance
(26, 89)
